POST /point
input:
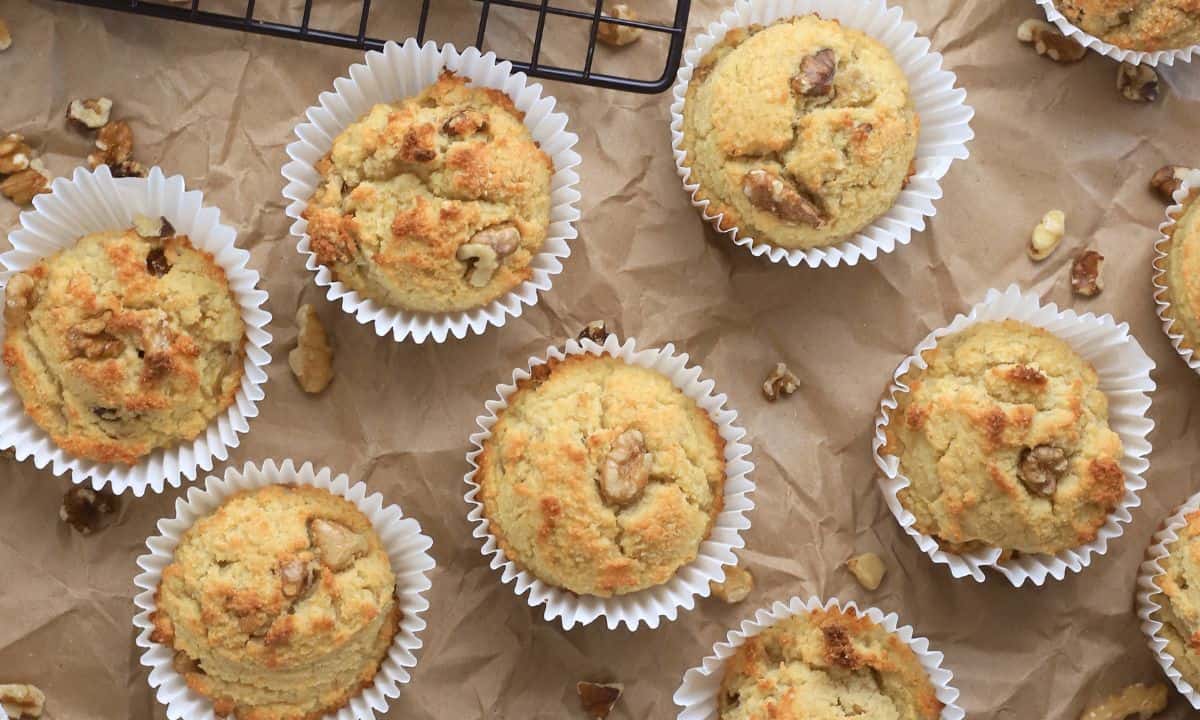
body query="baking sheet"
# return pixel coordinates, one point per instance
(218, 107)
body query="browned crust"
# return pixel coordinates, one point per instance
(1162, 264)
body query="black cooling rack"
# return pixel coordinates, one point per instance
(586, 15)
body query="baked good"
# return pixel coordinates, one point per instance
(124, 343)
(601, 477)
(1182, 274)
(280, 605)
(1146, 25)
(828, 664)
(1179, 600)
(800, 133)
(1006, 443)
(434, 203)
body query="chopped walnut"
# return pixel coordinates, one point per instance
(15, 154)
(1085, 274)
(618, 35)
(767, 191)
(88, 510)
(153, 228)
(296, 577)
(781, 381)
(339, 546)
(465, 122)
(1041, 467)
(737, 586)
(816, 76)
(1049, 42)
(598, 699)
(90, 339)
(24, 186)
(22, 701)
(157, 263)
(1137, 83)
(5, 36)
(1144, 702)
(868, 569)
(1047, 235)
(18, 298)
(114, 143)
(483, 261)
(596, 331)
(626, 470)
(89, 114)
(1167, 179)
(312, 359)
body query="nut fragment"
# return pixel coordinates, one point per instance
(339, 546)
(626, 470)
(1048, 41)
(157, 263)
(90, 339)
(18, 299)
(1137, 83)
(767, 191)
(868, 569)
(465, 122)
(483, 261)
(1167, 180)
(1047, 235)
(781, 381)
(297, 577)
(737, 586)
(596, 331)
(88, 510)
(152, 227)
(22, 701)
(1041, 467)
(89, 114)
(312, 359)
(25, 185)
(504, 239)
(14, 154)
(1144, 702)
(1085, 274)
(5, 36)
(598, 699)
(114, 143)
(614, 34)
(816, 76)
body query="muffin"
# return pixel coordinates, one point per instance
(1182, 274)
(826, 664)
(1145, 25)
(1005, 440)
(800, 133)
(436, 203)
(600, 477)
(125, 342)
(280, 605)
(1178, 597)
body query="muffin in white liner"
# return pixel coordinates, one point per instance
(701, 685)
(1162, 301)
(1147, 606)
(400, 71)
(652, 604)
(1123, 368)
(402, 538)
(92, 202)
(945, 123)
(1134, 57)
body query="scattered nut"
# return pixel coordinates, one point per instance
(297, 577)
(816, 76)
(14, 154)
(1167, 180)
(465, 122)
(626, 470)
(767, 191)
(1137, 83)
(312, 359)
(90, 114)
(1047, 235)
(114, 142)
(339, 546)
(25, 185)
(781, 381)
(153, 228)
(483, 261)
(598, 699)
(1048, 41)
(737, 586)
(618, 35)
(1144, 702)
(5, 36)
(1085, 274)
(868, 569)
(18, 298)
(88, 510)
(22, 701)
(1040, 468)
(596, 331)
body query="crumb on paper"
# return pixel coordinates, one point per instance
(311, 360)
(1048, 42)
(598, 699)
(1138, 700)
(22, 701)
(868, 569)
(737, 586)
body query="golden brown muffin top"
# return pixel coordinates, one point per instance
(1183, 272)
(1146, 25)
(1179, 599)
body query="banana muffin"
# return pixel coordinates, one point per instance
(125, 342)
(1182, 274)
(828, 664)
(280, 605)
(1179, 600)
(435, 203)
(1006, 442)
(601, 477)
(1146, 25)
(800, 133)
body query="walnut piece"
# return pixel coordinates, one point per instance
(1144, 702)
(816, 76)
(626, 470)
(1047, 235)
(90, 339)
(24, 186)
(737, 586)
(114, 143)
(22, 701)
(297, 577)
(596, 331)
(1041, 467)
(88, 510)
(465, 122)
(618, 35)
(767, 191)
(781, 381)
(1049, 42)
(89, 114)
(339, 546)
(504, 239)
(1137, 83)
(868, 569)
(5, 36)
(598, 699)
(153, 228)
(483, 261)
(1166, 181)
(311, 360)
(1085, 274)
(18, 299)
(14, 154)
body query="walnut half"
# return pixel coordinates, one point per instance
(780, 382)
(15, 154)
(767, 191)
(626, 470)
(1085, 274)
(1138, 699)
(1137, 83)
(89, 114)
(22, 701)
(816, 76)
(1041, 467)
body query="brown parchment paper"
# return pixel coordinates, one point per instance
(218, 107)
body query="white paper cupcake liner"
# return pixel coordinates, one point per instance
(1091, 42)
(698, 695)
(400, 71)
(945, 123)
(1147, 606)
(92, 202)
(1123, 368)
(1162, 300)
(651, 605)
(406, 546)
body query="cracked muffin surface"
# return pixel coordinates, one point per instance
(280, 604)
(1179, 600)
(800, 133)
(437, 202)
(600, 477)
(1146, 25)
(1006, 443)
(1182, 279)
(826, 665)
(121, 344)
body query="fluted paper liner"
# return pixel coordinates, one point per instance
(407, 548)
(1162, 301)
(400, 71)
(945, 123)
(698, 695)
(1091, 42)
(93, 201)
(1124, 377)
(652, 604)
